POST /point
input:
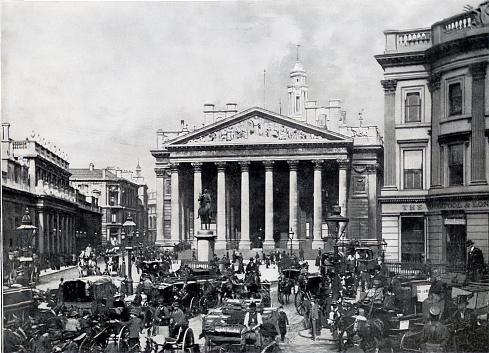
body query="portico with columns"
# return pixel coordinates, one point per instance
(267, 175)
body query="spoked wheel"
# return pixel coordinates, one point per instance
(123, 340)
(188, 342)
(299, 300)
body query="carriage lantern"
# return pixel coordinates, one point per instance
(26, 230)
(336, 226)
(291, 237)
(129, 227)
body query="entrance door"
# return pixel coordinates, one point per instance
(456, 237)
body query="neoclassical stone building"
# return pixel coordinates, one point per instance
(435, 194)
(269, 174)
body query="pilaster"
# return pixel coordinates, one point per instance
(478, 155)
(390, 87)
(269, 243)
(245, 242)
(436, 115)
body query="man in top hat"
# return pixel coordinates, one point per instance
(435, 335)
(356, 345)
(178, 320)
(252, 323)
(475, 262)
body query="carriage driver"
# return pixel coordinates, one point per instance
(252, 322)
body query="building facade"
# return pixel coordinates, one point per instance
(269, 175)
(121, 194)
(35, 176)
(435, 194)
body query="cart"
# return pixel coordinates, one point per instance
(222, 327)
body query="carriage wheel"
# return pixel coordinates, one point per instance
(188, 342)
(123, 340)
(299, 299)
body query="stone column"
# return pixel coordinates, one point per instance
(372, 201)
(221, 206)
(40, 230)
(161, 173)
(175, 204)
(478, 155)
(58, 237)
(197, 191)
(318, 205)
(343, 165)
(293, 196)
(268, 244)
(245, 242)
(436, 114)
(47, 231)
(390, 133)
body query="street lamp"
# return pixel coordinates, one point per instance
(27, 231)
(291, 237)
(129, 227)
(384, 248)
(334, 221)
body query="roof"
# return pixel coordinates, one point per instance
(298, 67)
(86, 173)
(93, 280)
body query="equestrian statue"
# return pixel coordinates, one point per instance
(205, 212)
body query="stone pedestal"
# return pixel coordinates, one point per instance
(268, 245)
(205, 245)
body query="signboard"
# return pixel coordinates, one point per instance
(404, 325)
(454, 221)
(422, 292)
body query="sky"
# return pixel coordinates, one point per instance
(98, 78)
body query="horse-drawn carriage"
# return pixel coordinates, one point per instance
(288, 280)
(222, 327)
(156, 270)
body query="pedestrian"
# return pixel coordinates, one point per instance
(135, 326)
(435, 335)
(314, 317)
(73, 323)
(301, 254)
(178, 320)
(283, 322)
(194, 256)
(252, 323)
(475, 262)
(60, 290)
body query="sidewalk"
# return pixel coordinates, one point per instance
(49, 271)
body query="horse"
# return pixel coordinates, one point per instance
(204, 213)
(284, 290)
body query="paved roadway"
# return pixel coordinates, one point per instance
(297, 340)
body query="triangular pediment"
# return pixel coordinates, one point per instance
(257, 125)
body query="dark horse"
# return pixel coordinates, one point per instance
(204, 212)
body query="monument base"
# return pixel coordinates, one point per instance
(268, 245)
(205, 245)
(244, 245)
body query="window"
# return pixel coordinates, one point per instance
(455, 98)
(297, 103)
(456, 164)
(413, 107)
(456, 232)
(413, 169)
(412, 239)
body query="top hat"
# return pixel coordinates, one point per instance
(435, 310)
(469, 242)
(356, 338)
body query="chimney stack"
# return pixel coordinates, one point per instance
(90, 167)
(5, 132)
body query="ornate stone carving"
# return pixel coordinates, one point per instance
(161, 172)
(245, 165)
(197, 166)
(434, 81)
(318, 163)
(389, 86)
(293, 164)
(478, 70)
(256, 128)
(174, 167)
(268, 164)
(343, 163)
(359, 169)
(221, 166)
(372, 168)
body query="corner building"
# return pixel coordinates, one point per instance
(435, 194)
(269, 174)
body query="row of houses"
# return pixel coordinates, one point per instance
(71, 208)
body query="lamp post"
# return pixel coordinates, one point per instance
(123, 243)
(291, 237)
(129, 227)
(27, 231)
(334, 222)
(384, 248)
